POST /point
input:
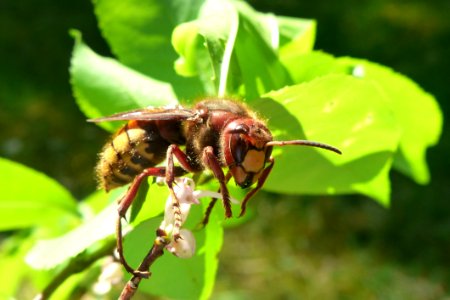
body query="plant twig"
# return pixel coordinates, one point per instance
(155, 252)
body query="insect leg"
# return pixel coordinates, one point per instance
(212, 162)
(259, 185)
(182, 158)
(128, 198)
(124, 204)
(212, 203)
(208, 212)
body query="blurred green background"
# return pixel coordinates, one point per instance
(294, 247)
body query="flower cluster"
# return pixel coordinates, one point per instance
(184, 190)
(184, 246)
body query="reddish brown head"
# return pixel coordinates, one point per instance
(247, 145)
(245, 151)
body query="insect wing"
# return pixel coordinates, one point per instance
(149, 114)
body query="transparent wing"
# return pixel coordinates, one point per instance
(149, 114)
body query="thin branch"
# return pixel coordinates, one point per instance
(155, 252)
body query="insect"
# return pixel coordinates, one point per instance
(216, 134)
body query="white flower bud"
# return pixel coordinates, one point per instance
(183, 247)
(184, 190)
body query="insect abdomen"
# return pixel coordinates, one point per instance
(135, 147)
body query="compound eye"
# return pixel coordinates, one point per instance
(241, 128)
(239, 148)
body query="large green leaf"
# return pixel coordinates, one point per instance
(47, 254)
(211, 248)
(13, 271)
(102, 86)
(31, 198)
(50, 253)
(205, 45)
(139, 33)
(417, 112)
(11, 280)
(342, 111)
(404, 96)
(304, 67)
(256, 46)
(297, 36)
(153, 205)
(241, 48)
(260, 69)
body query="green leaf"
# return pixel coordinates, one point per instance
(12, 269)
(153, 205)
(102, 86)
(240, 46)
(297, 36)
(330, 109)
(186, 41)
(47, 254)
(402, 95)
(257, 67)
(206, 44)
(71, 285)
(304, 67)
(139, 200)
(212, 246)
(95, 202)
(260, 69)
(139, 33)
(11, 279)
(31, 198)
(408, 100)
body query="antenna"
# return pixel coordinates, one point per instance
(304, 143)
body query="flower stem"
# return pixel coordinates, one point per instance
(155, 252)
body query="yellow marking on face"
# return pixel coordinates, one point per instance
(254, 160)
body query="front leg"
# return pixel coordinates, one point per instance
(259, 185)
(212, 162)
(212, 203)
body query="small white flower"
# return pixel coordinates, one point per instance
(184, 190)
(183, 247)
